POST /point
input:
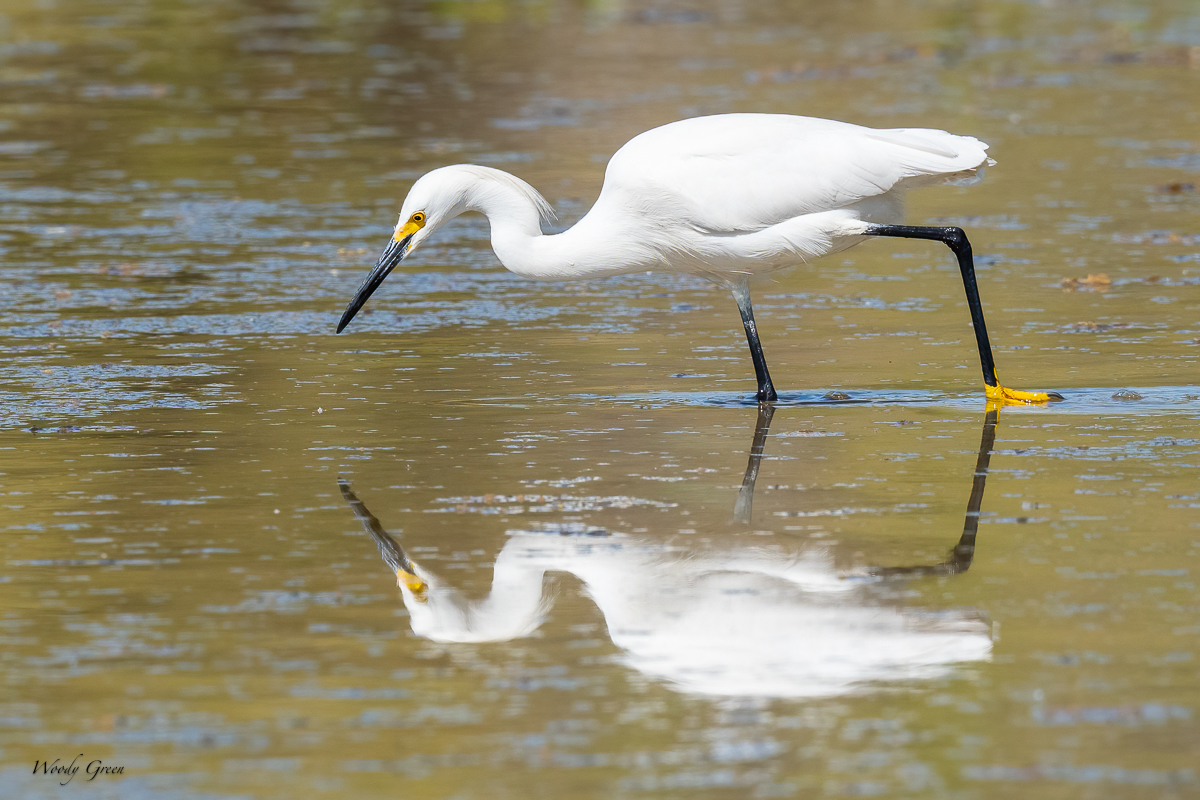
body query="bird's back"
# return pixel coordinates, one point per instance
(737, 173)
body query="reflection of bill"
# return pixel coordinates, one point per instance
(758, 621)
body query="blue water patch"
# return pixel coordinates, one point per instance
(1119, 401)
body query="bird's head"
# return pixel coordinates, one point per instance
(414, 583)
(440, 196)
(435, 199)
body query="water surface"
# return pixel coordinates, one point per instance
(885, 594)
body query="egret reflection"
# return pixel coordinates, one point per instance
(765, 621)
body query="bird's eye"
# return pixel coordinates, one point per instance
(418, 217)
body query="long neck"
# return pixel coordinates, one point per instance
(586, 250)
(514, 607)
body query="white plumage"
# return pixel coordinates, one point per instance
(721, 197)
(726, 197)
(755, 621)
(742, 173)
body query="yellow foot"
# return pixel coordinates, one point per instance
(1006, 396)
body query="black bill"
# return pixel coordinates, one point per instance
(393, 554)
(393, 255)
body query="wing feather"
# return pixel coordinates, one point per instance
(736, 173)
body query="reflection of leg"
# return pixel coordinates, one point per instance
(766, 390)
(745, 499)
(964, 551)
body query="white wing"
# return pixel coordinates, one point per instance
(736, 173)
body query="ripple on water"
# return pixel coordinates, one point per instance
(37, 390)
(1110, 400)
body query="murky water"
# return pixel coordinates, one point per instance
(625, 582)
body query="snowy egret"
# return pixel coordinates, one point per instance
(727, 197)
(748, 620)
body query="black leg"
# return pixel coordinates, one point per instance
(956, 240)
(766, 390)
(964, 551)
(744, 506)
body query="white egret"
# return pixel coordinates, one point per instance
(739, 621)
(728, 197)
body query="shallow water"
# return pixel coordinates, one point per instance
(878, 591)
